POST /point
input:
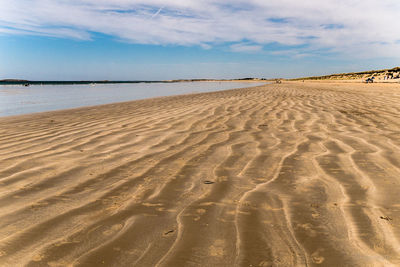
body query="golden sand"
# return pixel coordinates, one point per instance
(291, 174)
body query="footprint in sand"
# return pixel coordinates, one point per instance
(113, 229)
(37, 257)
(316, 257)
(217, 249)
(307, 228)
(201, 211)
(315, 215)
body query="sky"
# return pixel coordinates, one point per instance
(173, 39)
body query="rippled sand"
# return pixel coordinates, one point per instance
(290, 174)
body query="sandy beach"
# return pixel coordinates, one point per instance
(291, 174)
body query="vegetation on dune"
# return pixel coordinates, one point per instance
(391, 73)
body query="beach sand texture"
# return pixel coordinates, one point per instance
(291, 174)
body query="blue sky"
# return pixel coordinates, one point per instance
(171, 39)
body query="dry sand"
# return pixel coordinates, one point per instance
(291, 174)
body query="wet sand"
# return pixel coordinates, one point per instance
(291, 174)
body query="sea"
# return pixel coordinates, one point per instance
(20, 99)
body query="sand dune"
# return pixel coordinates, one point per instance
(291, 174)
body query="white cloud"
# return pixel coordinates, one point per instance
(246, 48)
(365, 28)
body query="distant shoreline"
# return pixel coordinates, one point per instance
(383, 75)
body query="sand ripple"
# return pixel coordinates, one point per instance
(292, 174)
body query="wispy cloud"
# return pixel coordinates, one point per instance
(158, 12)
(242, 47)
(349, 27)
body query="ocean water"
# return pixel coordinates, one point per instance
(17, 99)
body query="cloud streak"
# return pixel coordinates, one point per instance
(158, 12)
(347, 27)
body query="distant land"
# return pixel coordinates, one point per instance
(384, 74)
(393, 73)
(29, 82)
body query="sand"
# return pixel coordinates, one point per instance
(291, 174)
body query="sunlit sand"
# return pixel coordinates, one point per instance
(291, 174)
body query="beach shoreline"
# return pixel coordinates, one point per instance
(290, 174)
(19, 100)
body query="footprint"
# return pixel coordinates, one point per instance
(316, 257)
(217, 249)
(113, 229)
(37, 257)
(201, 211)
